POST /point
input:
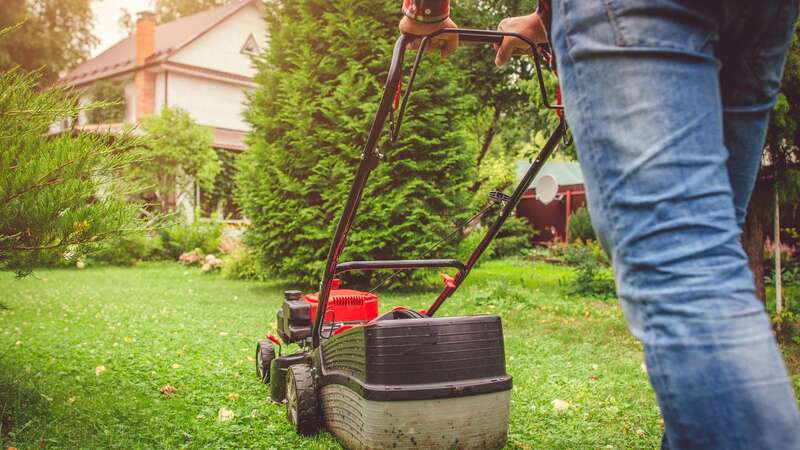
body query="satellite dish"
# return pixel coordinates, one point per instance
(546, 188)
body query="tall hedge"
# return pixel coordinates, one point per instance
(319, 86)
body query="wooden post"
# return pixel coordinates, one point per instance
(777, 246)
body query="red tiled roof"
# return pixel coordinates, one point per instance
(170, 37)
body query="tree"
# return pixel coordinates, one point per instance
(509, 100)
(52, 35)
(111, 91)
(179, 153)
(782, 170)
(56, 192)
(169, 10)
(319, 85)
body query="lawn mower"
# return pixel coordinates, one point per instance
(402, 379)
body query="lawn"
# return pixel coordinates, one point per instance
(85, 354)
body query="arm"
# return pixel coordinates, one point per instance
(423, 17)
(427, 11)
(533, 26)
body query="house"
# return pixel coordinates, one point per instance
(550, 219)
(201, 63)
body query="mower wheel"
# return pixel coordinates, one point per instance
(265, 353)
(302, 408)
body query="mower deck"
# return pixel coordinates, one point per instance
(411, 383)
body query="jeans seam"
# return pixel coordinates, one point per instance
(623, 39)
(616, 26)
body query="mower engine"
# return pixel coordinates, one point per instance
(345, 307)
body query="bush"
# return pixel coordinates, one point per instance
(181, 238)
(593, 275)
(129, 249)
(514, 239)
(580, 226)
(242, 264)
(304, 149)
(593, 279)
(468, 244)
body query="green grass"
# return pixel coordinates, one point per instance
(161, 324)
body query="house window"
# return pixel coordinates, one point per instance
(250, 47)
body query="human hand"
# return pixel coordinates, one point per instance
(447, 43)
(530, 26)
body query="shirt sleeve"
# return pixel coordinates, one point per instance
(546, 13)
(427, 11)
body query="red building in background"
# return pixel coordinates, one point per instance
(550, 219)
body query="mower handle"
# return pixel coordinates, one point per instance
(371, 156)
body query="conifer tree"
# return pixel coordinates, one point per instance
(57, 193)
(319, 86)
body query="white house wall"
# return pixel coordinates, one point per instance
(130, 102)
(220, 48)
(161, 93)
(209, 102)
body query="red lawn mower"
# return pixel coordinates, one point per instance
(402, 379)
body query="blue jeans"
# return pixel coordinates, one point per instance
(668, 103)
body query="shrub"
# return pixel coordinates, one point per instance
(304, 149)
(514, 239)
(242, 264)
(594, 279)
(580, 226)
(182, 237)
(593, 275)
(129, 249)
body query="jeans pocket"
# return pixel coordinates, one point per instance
(668, 24)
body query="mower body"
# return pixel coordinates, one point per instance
(401, 380)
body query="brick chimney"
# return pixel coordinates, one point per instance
(145, 81)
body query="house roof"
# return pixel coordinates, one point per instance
(565, 173)
(169, 38)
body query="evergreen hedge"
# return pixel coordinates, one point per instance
(319, 86)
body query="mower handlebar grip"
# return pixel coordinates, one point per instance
(475, 39)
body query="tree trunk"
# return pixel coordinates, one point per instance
(754, 233)
(490, 133)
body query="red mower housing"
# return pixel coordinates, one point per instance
(345, 305)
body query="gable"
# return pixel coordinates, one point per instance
(221, 48)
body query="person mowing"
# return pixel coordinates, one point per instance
(669, 102)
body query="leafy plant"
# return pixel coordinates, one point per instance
(242, 264)
(580, 226)
(593, 274)
(129, 249)
(514, 239)
(179, 153)
(182, 237)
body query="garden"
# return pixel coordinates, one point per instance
(162, 356)
(139, 269)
